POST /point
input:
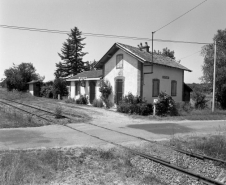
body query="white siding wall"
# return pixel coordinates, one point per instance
(165, 84)
(98, 94)
(84, 90)
(31, 89)
(129, 71)
(72, 89)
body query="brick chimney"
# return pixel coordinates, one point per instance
(144, 48)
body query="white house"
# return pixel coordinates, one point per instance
(130, 69)
(85, 83)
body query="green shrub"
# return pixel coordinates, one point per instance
(221, 96)
(59, 87)
(184, 108)
(70, 100)
(166, 105)
(131, 104)
(47, 91)
(58, 112)
(82, 100)
(200, 100)
(98, 103)
(106, 90)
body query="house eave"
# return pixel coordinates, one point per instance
(86, 79)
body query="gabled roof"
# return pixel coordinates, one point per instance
(34, 81)
(87, 74)
(140, 55)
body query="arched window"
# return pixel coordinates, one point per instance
(155, 87)
(173, 88)
(119, 61)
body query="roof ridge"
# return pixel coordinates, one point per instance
(171, 62)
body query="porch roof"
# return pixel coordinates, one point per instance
(87, 75)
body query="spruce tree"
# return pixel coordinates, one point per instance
(71, 55)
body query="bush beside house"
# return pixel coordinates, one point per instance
(106, 90)
(166, 105)
(131, 104)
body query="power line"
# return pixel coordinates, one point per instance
(98, 35)
(190, 55)
(180, 16)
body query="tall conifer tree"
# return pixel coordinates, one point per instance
(71, 55)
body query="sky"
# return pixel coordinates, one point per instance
(135, 18)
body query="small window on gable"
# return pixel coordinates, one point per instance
(119, 61)
(173, 88)
(155, 87)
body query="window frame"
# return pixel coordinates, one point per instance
(153, 81)
(173, 88)
(117, 62)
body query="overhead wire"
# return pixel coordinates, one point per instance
(180, 16)
(190, 55)
(99, 35)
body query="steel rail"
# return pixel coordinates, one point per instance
(149, 157)
(155, 159)
(199, 156)
(38, 108)
(27, 112)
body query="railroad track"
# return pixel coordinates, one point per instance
(204, 179)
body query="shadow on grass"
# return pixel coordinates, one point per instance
(162, 128)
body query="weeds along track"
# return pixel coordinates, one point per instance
(43, 114)
(162, 162)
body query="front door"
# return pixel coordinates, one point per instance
(119, 90)
(92, 91)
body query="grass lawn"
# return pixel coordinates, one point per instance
(211, 145)
(205, 114)
(72, 166)
(12, 119)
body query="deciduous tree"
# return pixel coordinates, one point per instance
(208, 54)
(17, 77)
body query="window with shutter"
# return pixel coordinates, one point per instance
(155, 87)
(173, 88)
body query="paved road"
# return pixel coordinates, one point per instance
(60, 136)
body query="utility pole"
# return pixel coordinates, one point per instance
(152, 50)
(152, 44)
(214, 74)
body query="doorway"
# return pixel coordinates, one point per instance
(92, 85)
(119, 90)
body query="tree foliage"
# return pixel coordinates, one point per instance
(47, 89)
(207, 68)
(205, 88)
(17, 77)
(166, 52)
(90, 65)
(71, 55)
(200, 100)
(60, 87)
